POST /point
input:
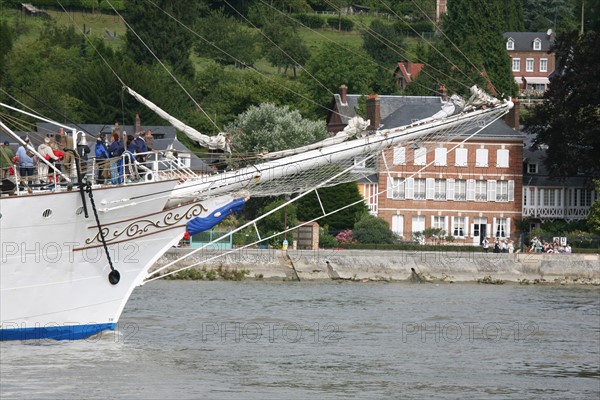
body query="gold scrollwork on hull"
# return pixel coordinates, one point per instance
(147, 225)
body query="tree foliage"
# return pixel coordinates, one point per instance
(371, 229)
(593, 219)
(383, 42)
(333, 198)
(271, 128)
(568, 121)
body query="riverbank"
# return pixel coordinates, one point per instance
(388, 265)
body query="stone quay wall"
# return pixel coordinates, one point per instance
(396, 265)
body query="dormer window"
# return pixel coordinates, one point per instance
(510, 44)
(537, 44)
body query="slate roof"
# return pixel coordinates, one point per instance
(402, 110)
(524, 40)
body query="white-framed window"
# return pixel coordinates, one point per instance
(480, 190)
(481, 158)
(420, 189)
(550, 197)
(502, 158)
(418, 223)
(501, 227)
(441, 155)
(529, 65)
(458, 229)
(421, 156)
(440, 189)
(532, 168)
(510, 44)
(399, 155)
(516, 64)
(543, 65)
(460, 190)
(398, 189)
(460, 155)
(439, 222)
(537, 44)
(502, 191)
(586, 198)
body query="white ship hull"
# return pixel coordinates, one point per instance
(54, 272)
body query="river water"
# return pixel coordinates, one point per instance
(283, 340)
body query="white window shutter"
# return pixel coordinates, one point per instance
(449, 189)
(399, 155)
(429, 188)
(409, 188)
(440, 156)
(470, 189)
(494, 227)
(488, 228)
(511, 191)
(461, 157)
(502, 158)
(390, 187)
(481, 158)
(432, 217)
(472, 230)
(507, 227)
(467, 227)
(446, 225)
(491, 190)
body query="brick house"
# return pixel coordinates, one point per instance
(470, 190)
(532, 59)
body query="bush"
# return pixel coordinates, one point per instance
(326, 241)
(370, 229)
(344, 24)
(310, 20)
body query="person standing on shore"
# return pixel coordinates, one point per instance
(486, 244)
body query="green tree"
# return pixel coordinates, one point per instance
(271, 128)
(370, 229)
(333, 198)
(165, 37)
(284, 48)
(472, 43)
(593, 219)
(7, 37)
(568, 121)
(383, 42)
(226, 40)
(330, 67)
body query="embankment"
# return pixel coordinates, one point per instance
(382, 265)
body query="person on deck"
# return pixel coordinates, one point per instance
(141, 147)
(45, 151)
(115, 151)
(101, 159)
(6, 163)
(25, 161)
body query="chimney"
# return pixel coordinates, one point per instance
(443, 92)
(373, 111)
(513, 116)
(138, 123)
(343, 92)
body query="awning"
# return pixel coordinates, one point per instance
(537, 80)
(518, 80)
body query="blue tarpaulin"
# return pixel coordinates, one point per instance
(200, 224)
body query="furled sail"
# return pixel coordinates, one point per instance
(218, 142)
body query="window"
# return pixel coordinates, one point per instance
(459, 226)
(502, 158)
(550, 197)
(440, 189)
(586, 198)
(418, 223)
(399, 155)
(510, 44)
(501, 224)
(480, 190)
(529, 65)
(440, 156)
(481, 158)
(516, 64)
(439, 222)
(532, 169)
(501, 190)
(537, 44)
(460, 190)
(421, 156)
(461, 157)
(543, 65)
(398, 225)
(419, 189)
(398, 189)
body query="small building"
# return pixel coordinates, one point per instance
(32, 11)
(406, 72)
